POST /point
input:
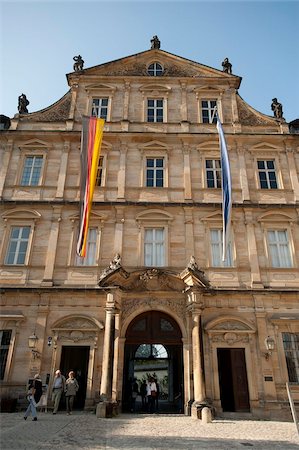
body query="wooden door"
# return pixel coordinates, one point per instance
(233, 383)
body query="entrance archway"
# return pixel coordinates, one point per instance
(154, 348)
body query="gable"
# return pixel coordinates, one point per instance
(173, 65)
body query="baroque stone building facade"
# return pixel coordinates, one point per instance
(153, 286)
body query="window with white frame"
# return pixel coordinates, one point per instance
(32, 169)
(155, 69)
(208, 111)
(154, 172)
(213, 173)
(100, 175)
(155, 110)
(267, 174)
(17, 245)
(154, 247)
(291, 350)
(99, 107)
(217, 247)
(5, 337)
(91, 247)
(279, 248)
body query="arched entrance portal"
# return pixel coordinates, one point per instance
(154, 348)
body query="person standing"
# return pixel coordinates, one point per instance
(71, 388)
(143, 394)
(34, 396)
(151, 395)
(57, 389)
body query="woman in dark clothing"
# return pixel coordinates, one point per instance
(34, 395)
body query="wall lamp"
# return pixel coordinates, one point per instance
(32, 340)
(270, 345)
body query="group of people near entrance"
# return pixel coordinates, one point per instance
(69, 387)
(149, 392)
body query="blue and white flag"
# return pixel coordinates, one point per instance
(226, 189)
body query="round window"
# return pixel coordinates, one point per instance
(155, 69)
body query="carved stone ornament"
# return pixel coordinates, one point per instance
(78, 323)
(230, 338)
(247, 116)
(231, 326)
(57, 112)
(113, 266)
(136, 69)
(132, 305)
(76, 336)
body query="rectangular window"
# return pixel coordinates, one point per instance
(291, 350)
(99, 178)
(279, 248)
(216, 250)
(91, 246)
(17, 245)
(32, 171)
(155, 110)
(267, 174)
(5, 336)
(154, 247)
(207, 111)
(154, 172)
(99, 108)
(213, 173)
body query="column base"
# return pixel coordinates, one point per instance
(202, 410)
(106, 409)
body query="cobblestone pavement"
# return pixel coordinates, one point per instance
(84, 431)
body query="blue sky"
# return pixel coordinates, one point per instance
(39, 39)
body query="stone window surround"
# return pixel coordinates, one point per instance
(208, 93)
(10, 321)
(96, 221)
(153, 218)
(34, 149)
(214, 221)
(280, 222)
(155, 92)
(154, 151)
(262, 154)
(207, 150)
(18, 218)
(100, 91)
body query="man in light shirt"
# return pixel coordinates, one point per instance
(57, 389)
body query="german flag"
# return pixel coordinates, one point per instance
(91, 140)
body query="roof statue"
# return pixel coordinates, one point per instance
(22, 104)
(277, 109)
(78, 64)
(155, 42)
(227, 67)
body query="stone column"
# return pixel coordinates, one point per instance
(126, 100)
(104, 408)
(184, 117)
(115, 359)
(195, 308)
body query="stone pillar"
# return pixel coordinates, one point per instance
(52, 246)
(121, 178)
(104, 408)
(126, 100)
(4, 162)
(62, 171)
(115, 377)
(256, 281)
(189, 233)
(119, 228)
(187, 172)
(293, 173)
(184, 117)
(195, 308)
(243, 176)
